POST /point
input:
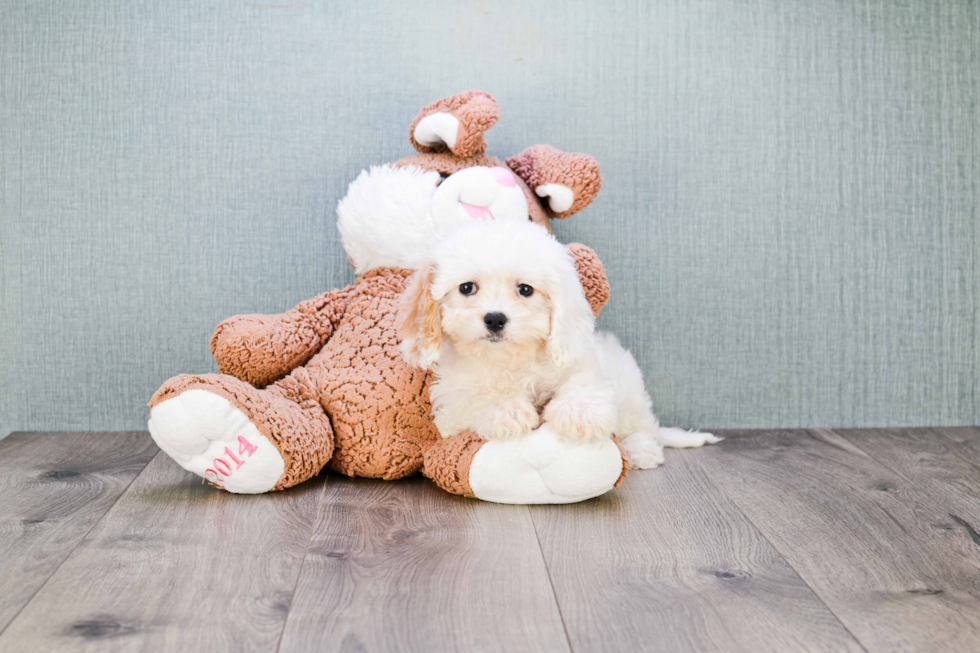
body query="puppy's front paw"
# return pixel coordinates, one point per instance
(581, 420)
(509, 419)
(644, 450)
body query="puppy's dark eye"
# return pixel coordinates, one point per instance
(525, 290)
(468, 288)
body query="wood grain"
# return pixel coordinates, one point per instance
(943, 463)
(777, 541)
(175, 566)
(960, 434)
(55, 487)
(403, 566)
(874, 546)
(667, 563)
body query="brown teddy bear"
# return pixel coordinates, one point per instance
(324, 384)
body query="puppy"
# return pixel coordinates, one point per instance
(498, 312)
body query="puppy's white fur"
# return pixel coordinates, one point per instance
(547, 362)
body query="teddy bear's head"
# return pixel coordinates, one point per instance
(393, 214)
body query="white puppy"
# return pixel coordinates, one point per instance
(499, 313)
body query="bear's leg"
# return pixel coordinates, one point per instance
(448, 461)
(538, 468)
(238, 437)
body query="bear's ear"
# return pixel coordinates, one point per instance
(455, 124)
(592, 274)
(566, 182)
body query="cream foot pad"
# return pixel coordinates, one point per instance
(208, 436)
(544, 468)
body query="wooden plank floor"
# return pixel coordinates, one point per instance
(54, 488)
(769, 541)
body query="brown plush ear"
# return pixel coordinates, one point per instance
(455, 124)
(567, 183)
(592, 274)
(419, 320)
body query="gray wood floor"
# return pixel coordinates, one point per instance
(769, 541)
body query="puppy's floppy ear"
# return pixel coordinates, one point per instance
(572, 318)
(419, 320)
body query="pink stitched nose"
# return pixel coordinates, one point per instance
(503, 176)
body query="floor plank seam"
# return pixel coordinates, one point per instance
(80, 541)
(796, 571)
(970, 530)
(302, 564)
(551, 583)
(878, 461)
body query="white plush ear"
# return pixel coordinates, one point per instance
(560, 197)
(572, 319)
(436, 129)
(420, 320)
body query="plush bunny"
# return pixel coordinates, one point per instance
(324, 384)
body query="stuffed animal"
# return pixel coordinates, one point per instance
(324, 385)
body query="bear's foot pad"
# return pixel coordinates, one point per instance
(208, 436)
(544, 468)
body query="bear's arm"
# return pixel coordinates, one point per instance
(261, 349)
(592, 275)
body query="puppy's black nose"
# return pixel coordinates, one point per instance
(495, 322)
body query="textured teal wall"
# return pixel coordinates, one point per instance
(789, 217)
